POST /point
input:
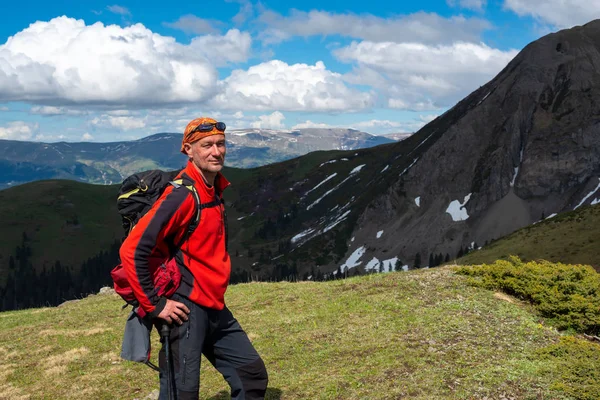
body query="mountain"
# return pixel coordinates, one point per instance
(522, 147)
(108, 163)
(525, 145)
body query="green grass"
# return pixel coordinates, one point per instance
(64, 220)
(426, 334)
(572, 237)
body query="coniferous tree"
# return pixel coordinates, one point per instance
(417, 263)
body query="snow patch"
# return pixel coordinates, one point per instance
(302, 234)
(352, 173)
(418, 201)
(352, 261)
(322, 182)
(595, 201)
(457, 210)
(407, 168)
(327, 162)
(386, 168)
(512, 183)
(379, 234)
(588, 195)
(390, 265)
(357, 169)
(373, 264)
(337, 221)
(550, 216)
(405, 268)
(484, 97)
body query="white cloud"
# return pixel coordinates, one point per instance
(192, 24)
(51, 62)
(18, 130)
(559, 13)
(119, 113)
(4, 108)
(86, 137)
(420, 77)
(418, 27)
(123, 123)
(115, 9)
(51, 110)
(310, 124)
(475, 5)
(245, 13)
(221, 50)
(298, 87)
(271, 121)
(387, 126)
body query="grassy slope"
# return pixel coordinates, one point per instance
(572, 238)
(423, 334)
(64, 220)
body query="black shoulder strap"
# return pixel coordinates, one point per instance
(194, 224)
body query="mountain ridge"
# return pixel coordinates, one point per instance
(111, 162)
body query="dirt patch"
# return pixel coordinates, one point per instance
(505, 297)
(73, 333)
(57, 364)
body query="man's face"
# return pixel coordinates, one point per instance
(208, 153)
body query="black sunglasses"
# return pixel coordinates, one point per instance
(209, 127)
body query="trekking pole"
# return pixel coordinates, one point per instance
(165, 332)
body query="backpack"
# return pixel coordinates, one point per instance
(137, 194)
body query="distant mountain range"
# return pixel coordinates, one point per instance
(108, 163)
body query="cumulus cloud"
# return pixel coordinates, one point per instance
(429, 28)
(221, 50)
(421, 77)
(298, 87)
(271, 121)
(123, 123)
(51, 62)
(558, 13)
(18, 130)
(475, 5)
(86, 137)
(192, 24)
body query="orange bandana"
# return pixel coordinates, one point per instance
(190, 137)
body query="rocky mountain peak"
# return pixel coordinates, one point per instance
(525, 145)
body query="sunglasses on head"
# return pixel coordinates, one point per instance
(209, 127)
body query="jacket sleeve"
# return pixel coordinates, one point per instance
(150, 242)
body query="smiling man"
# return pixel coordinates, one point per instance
(202, 323)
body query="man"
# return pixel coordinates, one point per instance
(202, 324)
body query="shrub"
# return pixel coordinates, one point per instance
(577, 364)
(567, 295)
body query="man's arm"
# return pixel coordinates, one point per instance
(147, 246)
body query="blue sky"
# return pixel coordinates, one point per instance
(96, 71)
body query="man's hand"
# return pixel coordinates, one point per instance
(174, 311)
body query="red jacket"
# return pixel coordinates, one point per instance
(204, 262)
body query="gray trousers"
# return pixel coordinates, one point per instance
(217, 335)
